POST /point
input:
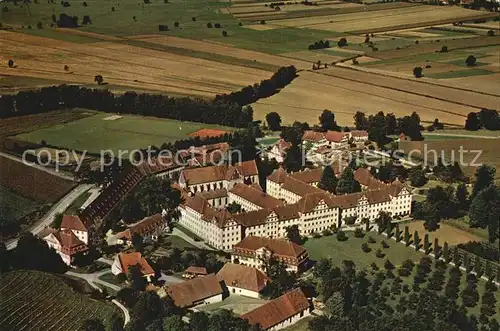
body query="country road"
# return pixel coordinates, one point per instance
(59, 207)
(39, 167)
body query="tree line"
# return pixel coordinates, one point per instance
(488, 119)
(264, 89)
(221, 111)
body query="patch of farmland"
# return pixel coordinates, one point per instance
(130, 132)
(33, 300)
(422, 48)
(397, 18)
(122, 64)
(406, 68)
(493, 25)
(261, 27)
(210, 47)
(14, 206)
(306, 97)
(488, 84)
(448, 233)
(419, 87)
(32, 182)
(20, 124)
(315, 56)
(448, 148)
(323, 13)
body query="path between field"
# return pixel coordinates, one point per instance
(93, 278)
(59, 207)
(39, 167)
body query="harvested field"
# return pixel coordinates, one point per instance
(315, 56)
(206, 46)
(488, 83)
(493, 25)
(322, 13)
(32, 182)
(121, 64)
(89, 34)
(448, 233)
(311, 92)
(419, 87)
(262, 27)
(388, 20)
(407, 67)
(20, 124)
(450, 148)
(206, 133)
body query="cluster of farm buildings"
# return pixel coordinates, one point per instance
(252, 235)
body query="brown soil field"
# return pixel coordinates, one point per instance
(487, 83)
(445, 232)
(488, 25)
(387, 20)
(310, 93)
(121, 64)
(451, 148)
(206, 46)
(239, 9)
(261, 27)
(419, 87)
(31, 182)
(436, 46)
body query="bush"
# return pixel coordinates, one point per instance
(341, 236)
(470, 61)
(217, 25)
(384, 244)
(416, 42)
(371, 240)
(327, 233)
(358, 233)
(262, 22)
(176, 24)
(85, 4)
(366, 248)
(417, 72)
(39, 25)
(379, 254)
(319, 45)
(316, 235)
(224, 33)
(342, 42)
(490, 33)
(209, 25)
(193, 19)
(444, 49)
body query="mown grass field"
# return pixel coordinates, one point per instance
(330, 247)
(32, 300)
(95, 134)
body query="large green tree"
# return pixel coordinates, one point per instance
(485, 211)
(485, 175)
(328, 181)
(293, 234)
(347, 183)
(273, 121)
(327, 121)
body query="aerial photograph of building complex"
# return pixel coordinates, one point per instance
(250, 165)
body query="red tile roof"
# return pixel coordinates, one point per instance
(237, 275)
(146, 225)
(334, 136)
(298, 187)
(70, 244)
(197, 270)
(313, 136)
(279, 247)
(278, 310)
(131, 259)
(359, 133)
(74, 223)
(308, 175)
(256, 196)
(278, 176)
(188, 293)
(247, 168)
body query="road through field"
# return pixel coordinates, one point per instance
(59, 207)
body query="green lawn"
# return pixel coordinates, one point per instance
(110, 278)
(330, 247)
(77, 203)
(14, 206)
(130, 132)
(459, 74)
(178, 242)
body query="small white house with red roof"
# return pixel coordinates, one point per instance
(65, 242)
(123, 261)
(76, 225)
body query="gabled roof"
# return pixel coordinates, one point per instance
(68, 239)
(146, 225)
(203, 175)
(252, 218)
(335, 136)
(237, 275)
(131, 259)
(279, 247)
(214, 194)
(365, 178)
(255, 196)
(74, 223)
(298, 187)
(308, 202)
(359, 133)
(197, 270)
(313, 136)
(278, 310)
(278, 176)
(247, 168)
(308, 176)
(187, 293)
(221, 217)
